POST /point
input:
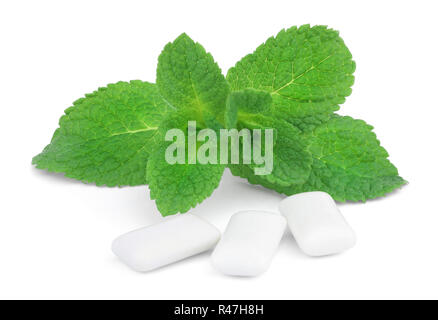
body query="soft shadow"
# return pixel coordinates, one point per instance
(235, 195)
(59, 177)
(56, 177)
(192, 259)
(289, 244)
(392, 194)
(248, 186)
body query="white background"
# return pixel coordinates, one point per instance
(56, 233)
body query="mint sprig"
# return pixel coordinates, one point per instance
(293, 83)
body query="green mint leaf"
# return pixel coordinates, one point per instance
(245, 101)
(188, 78)
(107, 137)
(348, 163)
(180, 187)
(291, 160)
(250, 100)
(307, 70)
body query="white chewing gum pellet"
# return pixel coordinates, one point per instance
(249, 243)
(174, 239)
(316, 224)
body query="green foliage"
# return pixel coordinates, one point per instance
(348, 163)
(250, 101)
(293, 84)
(291, 159)
(189, 79)
(107, 136)
(307, 70)
(180, 187)
(192, 82)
